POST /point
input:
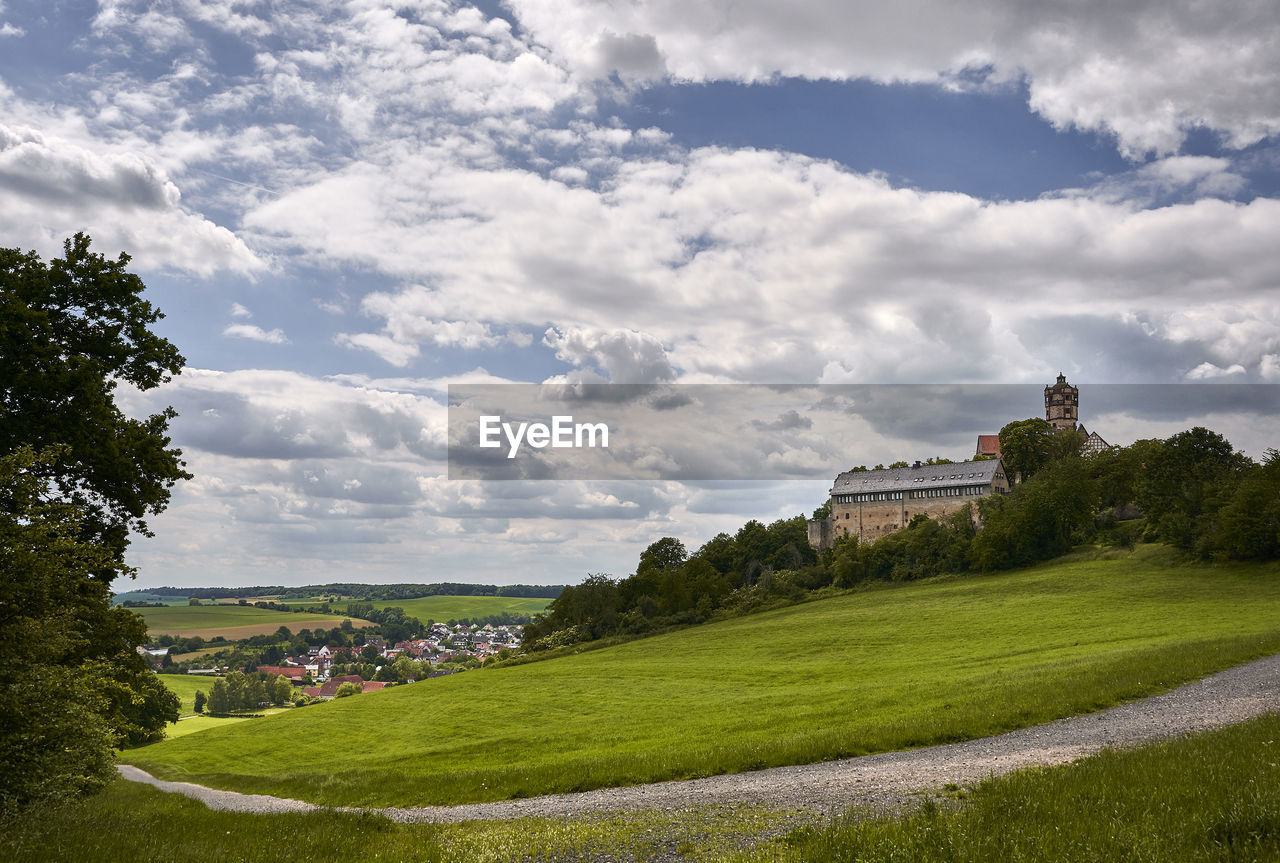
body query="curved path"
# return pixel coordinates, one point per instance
(881, 781)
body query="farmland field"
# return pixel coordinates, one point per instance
(443, 608)
(184, 686)
(231, 621)
(888, 668)
(144, 596)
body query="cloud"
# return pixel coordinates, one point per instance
(1208, 371)
(1172, 179)
(256, 333)
(286, 415)
(452, 175)
(1145, 71)
(787, 421)
(239, 311)
(388, 349)
(54, 188)
(632, 57)
(762, 266)
(624, 356)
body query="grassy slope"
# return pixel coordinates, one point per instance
(903, 666)
(231, 621)
(1210, 797)
(1213, 796)
(131, 822)
(184, 686)
(443, 608)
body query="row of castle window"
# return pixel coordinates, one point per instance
(956, 491)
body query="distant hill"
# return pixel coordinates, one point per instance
(164, 596)
(346, 592)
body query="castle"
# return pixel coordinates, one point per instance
(870, 504)
(1062, 411)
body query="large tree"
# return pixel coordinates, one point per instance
(77, 476)
(1186, 481)
(72, 331)
(1028, 445)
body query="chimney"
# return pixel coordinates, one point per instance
(917, 464)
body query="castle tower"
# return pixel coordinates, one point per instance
(1062, 404)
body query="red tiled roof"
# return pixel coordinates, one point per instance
(331, 685)
(292, 671)
(988, 444)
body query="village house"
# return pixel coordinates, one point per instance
(330, 687)
(294, 673)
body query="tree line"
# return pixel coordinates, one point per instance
(1192, 491)
(364, 592)
(238, 692)
(672, 587)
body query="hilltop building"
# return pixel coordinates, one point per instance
(870, 504)
(1062, 404)
(1062, 411)
(988, 446)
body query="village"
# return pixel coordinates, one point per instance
(444, 650)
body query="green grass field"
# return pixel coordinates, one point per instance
(143, 595)
(1206, 797)
(1213, 796)
(184, 686)
(889, 668)
(231, 621)
(444, 608)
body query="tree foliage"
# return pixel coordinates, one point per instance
(70, 332)
(73, 686)
(1185, 482)
(673, 587)
(77, 476)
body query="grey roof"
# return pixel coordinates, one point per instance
(925, 476)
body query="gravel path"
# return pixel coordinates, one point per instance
(882, 782)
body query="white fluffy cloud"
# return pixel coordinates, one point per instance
(759, 266)
(625, 356)
(256, 334)
(54, 188)
(1145, 70)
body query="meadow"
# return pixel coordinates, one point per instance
(232, 621)
(1212, 796)
(445, 608)
(891, 667)
(184, 686)
(1206, 797)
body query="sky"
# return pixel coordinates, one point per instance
(344, 207)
